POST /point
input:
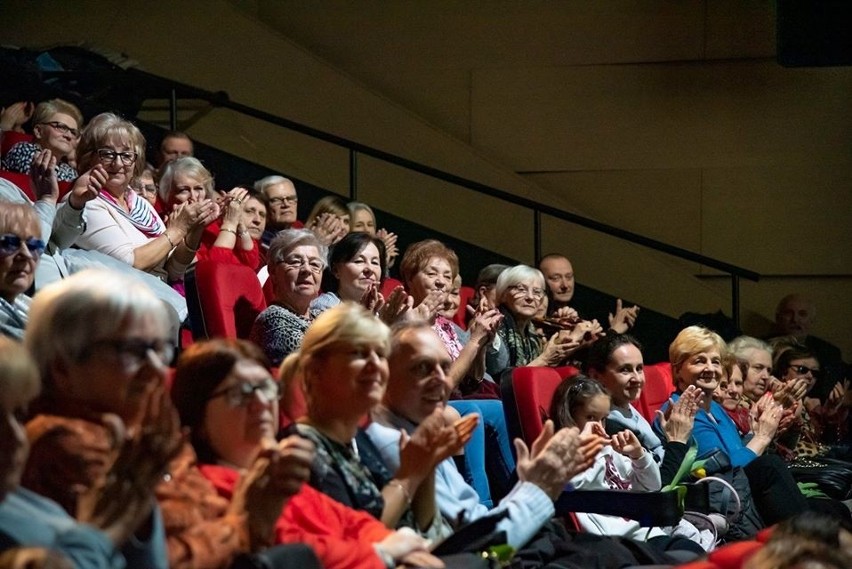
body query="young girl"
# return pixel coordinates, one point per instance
(622, 465)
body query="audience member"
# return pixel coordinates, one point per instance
(329, 220)
(296, 260)
(356, 269)
(795, 316)
(622, 464)
(15, 116)
(283, 205)
(145, 186)
(110, 514)
(362, 218)
(227, 399)
(105, 379)
(559, 276)
(343, 366)
(418, 385)
(175, 144)
(20, 249)
(122, 224)
(56, 127)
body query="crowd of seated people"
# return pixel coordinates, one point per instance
(403, 439)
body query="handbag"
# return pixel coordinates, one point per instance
(833, 477)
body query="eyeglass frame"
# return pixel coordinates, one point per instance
(63, 128)
(232, 392)
(9, 248)
(303, 261)
(286, 199)
(135, 348)
(816, 373)
(109, 156)
(519, 290)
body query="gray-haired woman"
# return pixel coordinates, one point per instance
(296, 260)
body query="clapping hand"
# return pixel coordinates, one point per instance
(624, 318)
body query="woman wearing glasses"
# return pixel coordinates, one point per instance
(124, 225)
(519, 291)
(56, 127)
(296, 260)
(20, 249)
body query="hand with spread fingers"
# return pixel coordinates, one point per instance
(15, 116)
(624, 318)
(396, 306)
(679, 417)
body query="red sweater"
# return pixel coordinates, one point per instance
(235, 256)
(342, 538)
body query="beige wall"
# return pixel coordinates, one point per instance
(670, 119)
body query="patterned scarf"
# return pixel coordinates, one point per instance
(444, 329)
(141, 215)
(523, 346)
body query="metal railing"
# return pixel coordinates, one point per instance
(154, 86)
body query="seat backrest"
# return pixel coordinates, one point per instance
(223, 299)
(460, 317)
(533, 389)
(11, 138)
(388, 285)
(658, 387)
(23, 182)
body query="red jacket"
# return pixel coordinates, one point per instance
(342, 538)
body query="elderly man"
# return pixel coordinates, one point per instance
(794, 317)
(283, 202)
(559, 277)
(417, 385)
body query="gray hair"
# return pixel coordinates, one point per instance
(288, 239)
(68, 316)
(741, 344)
(515, 275)
(187, 166)
(263, 183)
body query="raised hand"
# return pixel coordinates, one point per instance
(396, 306)
(679, 417)
(87, 186)
(43, 177)
(626, 443)
(556, 350)
(389, 239)
(16, 115)
(484, 325)
(765, 416)
(232, 207)
(329, 228)
(429, 307)
(624, 318)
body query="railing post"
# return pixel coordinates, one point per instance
(536, 236)
(173, 110)
(353, 175)
(735, 300)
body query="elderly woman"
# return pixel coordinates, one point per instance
(362, 218)
(356, 269)
(758, 356)
(56, 127)
(329, 219)
(20, 250)
(519, 291)
(120, 222)
(296, 260)
(29, 519)
(696, 355)
(105, 379)
(226, 397)
(186, 180)
(343, 365)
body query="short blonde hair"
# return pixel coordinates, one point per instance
(99, 130)
(47, 109)
(186, 166)
(19, 217)
(19, 378)
(693, 340)
(348, 323)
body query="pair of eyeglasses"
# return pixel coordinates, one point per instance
(314, 264)
(802, 370)
(109, 156)
(132, 353)
(63, 128)
(285, 199)
(241, 394)
(10, 244)
(523, 290)
(145, 189)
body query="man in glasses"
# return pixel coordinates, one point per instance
(795, 316)
(283, 205)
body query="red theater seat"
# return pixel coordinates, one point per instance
(11, 138)
(528, 404)
(223, 299)
(658, 388)
(23, 182)
(460, 317)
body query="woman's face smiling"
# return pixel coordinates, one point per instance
(349, 379)
(702, 369)
(624, 374)
(359, 273)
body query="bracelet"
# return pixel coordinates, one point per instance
(190, 249)
(227, 229)
(169, 239)
(401, 486)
